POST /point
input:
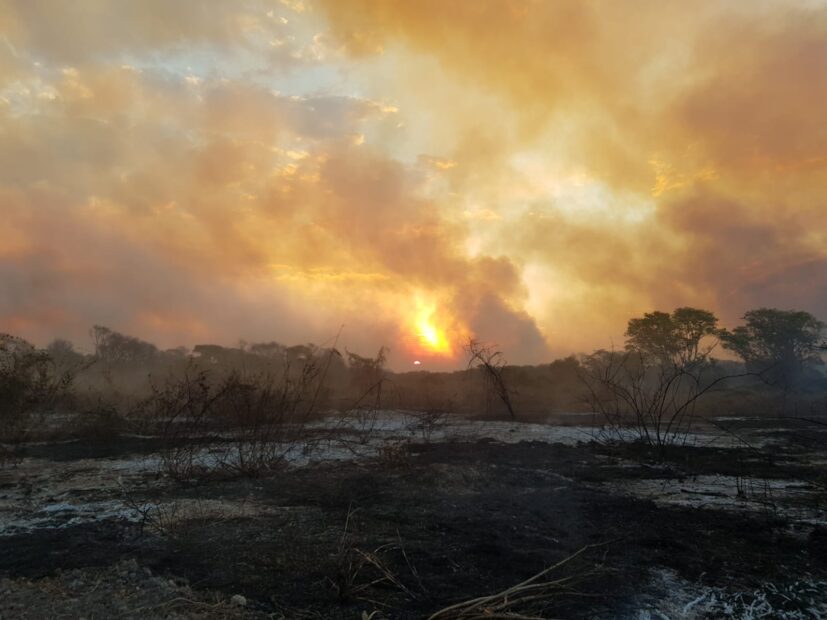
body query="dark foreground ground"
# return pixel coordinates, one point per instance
(427, 525)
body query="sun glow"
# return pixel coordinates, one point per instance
(430, 337)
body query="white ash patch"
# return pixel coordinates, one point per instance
(39, 493)
(32, 491)
(415, 426)
(64, 514)
(670, 597)
(793, 499)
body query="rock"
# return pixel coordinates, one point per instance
(238, 600)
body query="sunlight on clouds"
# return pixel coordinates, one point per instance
(528, 173)
(301, 276)
(667, 178)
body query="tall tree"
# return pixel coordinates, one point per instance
(779, 343)
(113, 346)
(675, 338)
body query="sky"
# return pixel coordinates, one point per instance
(528, 173)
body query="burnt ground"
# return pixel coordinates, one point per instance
(446, 521)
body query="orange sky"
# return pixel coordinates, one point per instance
(526, 172)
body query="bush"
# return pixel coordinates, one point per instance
(29, 384)
(256, 419)
(644, 399)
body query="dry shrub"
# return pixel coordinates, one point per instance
(252, 421)
(358, 418)
(431, 419)
(646, 399)
(30, 384)
(393, 455)
(101, 423)
(359, 573)
(493, 366)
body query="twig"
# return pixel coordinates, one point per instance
(494, 606)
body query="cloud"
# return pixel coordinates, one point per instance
(633, 159)
(217, 209)
(536, 172)
(97, 29)
(751, 254)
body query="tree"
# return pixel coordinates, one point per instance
(272, 349)
(367, 374)
(112, 346)
(63, 353)
(29, 383)
(676, 338)
(25, 377)
(651, 390)
(779, 344)
(492, 364)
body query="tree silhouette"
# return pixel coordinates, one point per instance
(674, 338)
(780, 344)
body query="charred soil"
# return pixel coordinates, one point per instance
(406, 536)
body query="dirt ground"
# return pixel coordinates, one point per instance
(719, 528)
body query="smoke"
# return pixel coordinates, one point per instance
(537, 172)
(630, 158)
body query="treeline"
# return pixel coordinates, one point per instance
(122, 368)
(671, 364)
(775, 354)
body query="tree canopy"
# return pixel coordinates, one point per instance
(113, 346)
(781, 343)
(675, 338)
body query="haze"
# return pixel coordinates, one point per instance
(527, 173)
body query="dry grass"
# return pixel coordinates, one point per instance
(528, 598)
(358, 572)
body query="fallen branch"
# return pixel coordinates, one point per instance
(525, 594)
